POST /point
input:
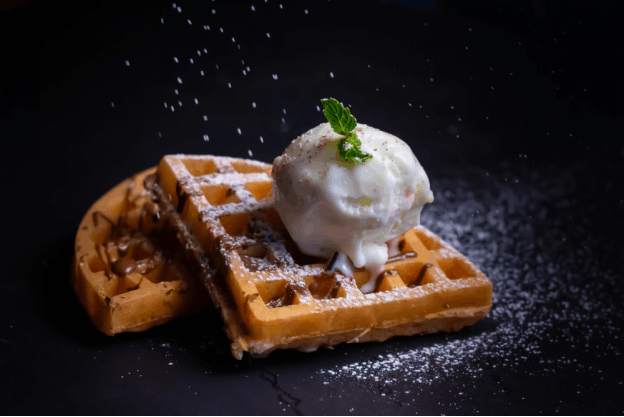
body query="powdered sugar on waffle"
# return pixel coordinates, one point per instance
(260, 252)
(225, 174)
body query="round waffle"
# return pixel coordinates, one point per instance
(129, 271)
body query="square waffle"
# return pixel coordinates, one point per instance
(273, 296)
(125, 271)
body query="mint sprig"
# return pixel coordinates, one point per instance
(339, 117)
(349, 149)
(343, 123)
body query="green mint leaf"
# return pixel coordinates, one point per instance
(353, 140)
(349, 150)
(341, 150)
(342, 122)
(338, 116)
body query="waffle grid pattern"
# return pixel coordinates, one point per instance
(273, 296)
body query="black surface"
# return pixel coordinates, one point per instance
(514, 109)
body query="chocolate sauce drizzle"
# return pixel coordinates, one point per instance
(401, 257)
(254, 257)
(386, 273)
(418, 281)
(124, 267)
(325, 286)
(182, 197)
(389, 273)
(97, 214)
(129, 242)
(182, 194)
(289, 295)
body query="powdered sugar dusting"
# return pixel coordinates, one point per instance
(541, 314)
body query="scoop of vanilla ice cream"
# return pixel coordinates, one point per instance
(328, 205)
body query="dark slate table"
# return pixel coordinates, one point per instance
(513, 108)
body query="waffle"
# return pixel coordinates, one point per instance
(125, 271)
(273, 296)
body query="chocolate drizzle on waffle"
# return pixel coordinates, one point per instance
(130, 272)
(421, 275)
(291, 291)
(325, 285)
(183, 194)
(402, 256)
(127, 249)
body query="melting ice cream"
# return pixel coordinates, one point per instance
(329, 205)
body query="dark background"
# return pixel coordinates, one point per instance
(515, 110)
